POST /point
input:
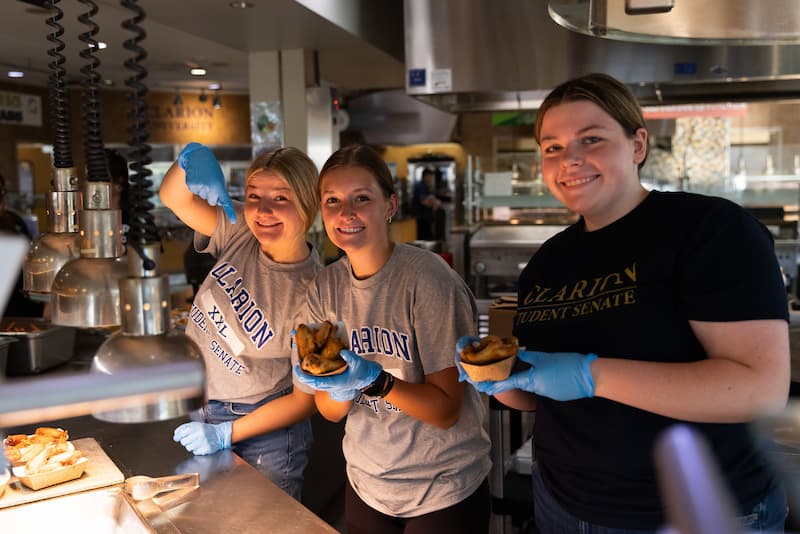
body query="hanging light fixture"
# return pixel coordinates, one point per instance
(178, 100)
(86, 289)
(217, 101)
(144, 340)
(203, 96)
(51, 250)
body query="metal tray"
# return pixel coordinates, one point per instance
(4, 343)
(39, 345)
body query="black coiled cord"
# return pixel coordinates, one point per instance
(142, 226)
(96, 166)
(59, 106)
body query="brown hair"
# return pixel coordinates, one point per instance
(365, 157)
(299, 171)
(608, 93)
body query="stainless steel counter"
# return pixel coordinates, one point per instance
(232, 497)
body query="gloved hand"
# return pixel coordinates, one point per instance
(204, 438)
(561, 376)
(346, 386)
(460, 344)
(204, 177)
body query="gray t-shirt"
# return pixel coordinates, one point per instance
(244, 311)
(407, 317)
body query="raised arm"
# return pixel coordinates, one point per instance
(192, 188)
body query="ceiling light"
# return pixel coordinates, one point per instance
(241, 5)
(197, 71)
(16, 74)
(178, 100)
(214, 86)
(203, 96)
(217, 102)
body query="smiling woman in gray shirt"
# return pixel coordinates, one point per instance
(417, 454)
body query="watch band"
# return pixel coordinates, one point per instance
(381, 387)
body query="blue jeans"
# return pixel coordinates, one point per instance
(766, 516)
(281, 455)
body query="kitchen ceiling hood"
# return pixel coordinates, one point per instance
(743, 22)
(477, 55)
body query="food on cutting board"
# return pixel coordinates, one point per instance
(318, 348)
(43, 458)
(490, 358)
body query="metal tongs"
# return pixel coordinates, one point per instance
(141, 487)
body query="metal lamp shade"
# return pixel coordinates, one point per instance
(86, 292)
(47, 255)
(123, 352)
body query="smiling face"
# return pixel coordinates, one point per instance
(273, 217)
(355, 210)
(589, 163)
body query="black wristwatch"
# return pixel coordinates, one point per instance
(381, 387)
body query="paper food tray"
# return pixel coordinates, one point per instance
(51, 478)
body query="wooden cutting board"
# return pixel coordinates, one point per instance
(100, 472)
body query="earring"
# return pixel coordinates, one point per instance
(389, 220)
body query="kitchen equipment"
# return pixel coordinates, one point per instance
(4, 343)
(100, 472)
(498, 253)
(39, 344)
(143, 487)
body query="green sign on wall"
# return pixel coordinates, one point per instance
(513, 118)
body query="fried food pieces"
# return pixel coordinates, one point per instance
(318, 348)
(45, 450)
(490, 349)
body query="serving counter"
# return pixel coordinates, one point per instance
(232, 496)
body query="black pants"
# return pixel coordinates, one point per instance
(467, 517)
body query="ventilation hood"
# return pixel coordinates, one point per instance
(479, 55)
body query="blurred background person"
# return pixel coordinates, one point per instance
(19, 305)
(425, 204)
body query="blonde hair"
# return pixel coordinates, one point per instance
(299, 171)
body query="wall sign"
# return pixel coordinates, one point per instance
(20, 108)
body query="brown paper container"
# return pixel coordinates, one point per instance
(50, 478)
(499, 370)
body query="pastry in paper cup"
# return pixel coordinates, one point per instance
(490, 358)
(318, 347)
(51, 477)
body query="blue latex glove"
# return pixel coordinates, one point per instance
(204, 438)
(204, 177)
(460, 344)
(346, 386)
(562, 376)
